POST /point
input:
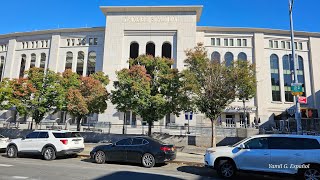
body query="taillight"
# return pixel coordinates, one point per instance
(64, 141)
(165, 148)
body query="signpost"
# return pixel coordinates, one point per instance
(188, 116)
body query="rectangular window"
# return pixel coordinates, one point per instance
(288, 96)
(226, 42)
(90, 41)
(300, 46)
(295, 45)
(245, 42)
(231, 42)
(73, 42)
(68, 42)
(95, 41)
(238, 42)
(276, 96)
(84, 41)
(42, 43)
(218, 41)
(283, 44)
(270, 44)
(213, 41)
(288, 45)
(276, 44)
(79, 42)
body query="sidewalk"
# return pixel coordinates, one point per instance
(186, 155)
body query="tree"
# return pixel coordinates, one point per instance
(6, 93)
(211, 85)
(149, 88)
(85, 95)
(245, 82)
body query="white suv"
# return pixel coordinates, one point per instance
(284, 154)
(48, 143)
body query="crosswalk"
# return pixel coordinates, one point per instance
(5, 165)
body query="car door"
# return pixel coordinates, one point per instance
(41, 141)
(255, 156)
(286, 152)
(29, 143)
(118, 151)
(136, 150)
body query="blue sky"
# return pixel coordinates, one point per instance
(30, 15)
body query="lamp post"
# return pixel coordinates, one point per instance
(297, 113)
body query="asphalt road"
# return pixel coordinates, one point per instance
(34, 168)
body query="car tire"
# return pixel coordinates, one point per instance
(49, 154)
(12, 151)
(309, 173)
(226, 169)
(100, 157)
(148, 160)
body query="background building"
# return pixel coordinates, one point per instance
(168, 31)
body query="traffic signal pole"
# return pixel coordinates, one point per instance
(293, 56)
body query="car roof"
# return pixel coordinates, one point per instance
(287, 136)
(58, 131)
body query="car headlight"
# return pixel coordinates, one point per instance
(209, 151)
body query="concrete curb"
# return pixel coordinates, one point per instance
(170, 162)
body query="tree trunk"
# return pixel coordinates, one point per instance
(244, 113)
(78, 122)
(149, 128)
(124, 122)
(31, 123)
(213, 134)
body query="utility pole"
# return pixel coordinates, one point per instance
(293, 56)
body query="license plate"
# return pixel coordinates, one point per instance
(76, 142)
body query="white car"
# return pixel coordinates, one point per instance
(284, 154)
(3, 142)
(48, 143)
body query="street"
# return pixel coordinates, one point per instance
(34, 168)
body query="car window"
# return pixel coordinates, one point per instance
(32, 135)
(43, 135)
(59, 135)
(124, 142)
(311, 144)
(137, 141)
(289, 143)
(257, 143)
(145, 142)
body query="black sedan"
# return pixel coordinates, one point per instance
(145, 150)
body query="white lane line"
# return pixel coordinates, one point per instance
(5, 165)
(19, 177)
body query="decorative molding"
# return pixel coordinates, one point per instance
(149, 33)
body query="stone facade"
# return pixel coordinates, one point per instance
(177, 26)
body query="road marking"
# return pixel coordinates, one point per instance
(5, 165)
(19, 177)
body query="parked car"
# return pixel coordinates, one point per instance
(144, 150)
(284, 154)
(3, 142)
(48, 143)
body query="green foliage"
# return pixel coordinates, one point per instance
(100, 76)
(6, 93)
(149, 88)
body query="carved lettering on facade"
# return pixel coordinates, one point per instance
(151, 19)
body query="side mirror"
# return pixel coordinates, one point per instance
(241, 146)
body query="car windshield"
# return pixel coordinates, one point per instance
(237, 144)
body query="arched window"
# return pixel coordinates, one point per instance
(80, 62)
(91, 64)
(301, 75)
(275, 77)
(228, 57)
(166, 50)
(69, 59)
(22, 65)
(242, 56)
(33, 60)
(43, 60)
(215, 56)
(151, 49)
(1, 66)
(134, 50)
(288, 68)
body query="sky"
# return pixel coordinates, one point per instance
(31, 15)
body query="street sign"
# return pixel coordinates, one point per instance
(302, 100)
(296, 87)
(188, 115)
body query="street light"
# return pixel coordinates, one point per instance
(297, 113)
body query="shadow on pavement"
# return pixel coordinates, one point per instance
(27, 156)
(136, 175)
(207, 172)
(88, 160)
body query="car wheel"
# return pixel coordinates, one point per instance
(12, 152)
(226, 169)
(100, 157)
(148, 160)
(49, 154)
(311, 173)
